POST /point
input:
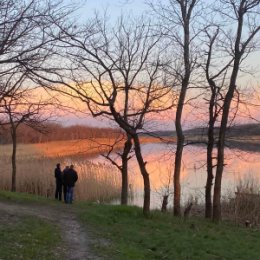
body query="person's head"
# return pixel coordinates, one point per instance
(58, 165)
(67, 167)
(72, 166)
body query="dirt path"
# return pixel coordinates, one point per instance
(76, 241)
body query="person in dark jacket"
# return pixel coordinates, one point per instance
(58, 177)
(70, 177)
(64, 185)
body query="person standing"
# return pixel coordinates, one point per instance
(58, 177)
(70, 177)
(65, 185)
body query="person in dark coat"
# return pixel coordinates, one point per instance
(70, 177)
(64, 185)
(58, 177)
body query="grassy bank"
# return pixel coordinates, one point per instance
(131, 236)
(123, 233)
(28, 238)
(25, 236)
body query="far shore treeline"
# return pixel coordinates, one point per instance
(56, 132)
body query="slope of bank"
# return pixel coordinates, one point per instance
(123, 233)
(41, 229)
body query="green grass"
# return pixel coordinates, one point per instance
(131, 236)
(26, 198)
(124, 233)
(21, 197)
(29, 238)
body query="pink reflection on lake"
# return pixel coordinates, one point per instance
(160, 161)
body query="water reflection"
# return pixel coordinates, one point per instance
(160, 158)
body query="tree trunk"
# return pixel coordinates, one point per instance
(210, 146)
(124, 171)
(176, 178)
(164, 203)
(179, 150)
(218, 179)
(223, 125)
(13, 188)
(220, 157)
(209, 183)
(186, 14)
(221, 144)
(146, 179)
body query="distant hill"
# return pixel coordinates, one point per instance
(244, 130)
(160, 134)
(239, 130)
(244, 137)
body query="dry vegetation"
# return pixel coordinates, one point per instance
(36, 163)
(74, 147)
(244, 208)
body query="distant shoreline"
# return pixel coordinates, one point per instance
(246, 144)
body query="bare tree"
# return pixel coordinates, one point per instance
(215, 81)
(26, 31)
(18, 109)
(118, 73)
(124, 155)
(245, 14)
(177, 18)
(118, 157)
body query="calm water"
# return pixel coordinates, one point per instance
(160, 158)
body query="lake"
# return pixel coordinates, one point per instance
(240, 165)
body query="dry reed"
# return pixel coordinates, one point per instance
(244, 207)
(35, 173)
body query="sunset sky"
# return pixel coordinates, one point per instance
(115, 8)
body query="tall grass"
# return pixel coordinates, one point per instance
(35, 174)
(244, 207)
